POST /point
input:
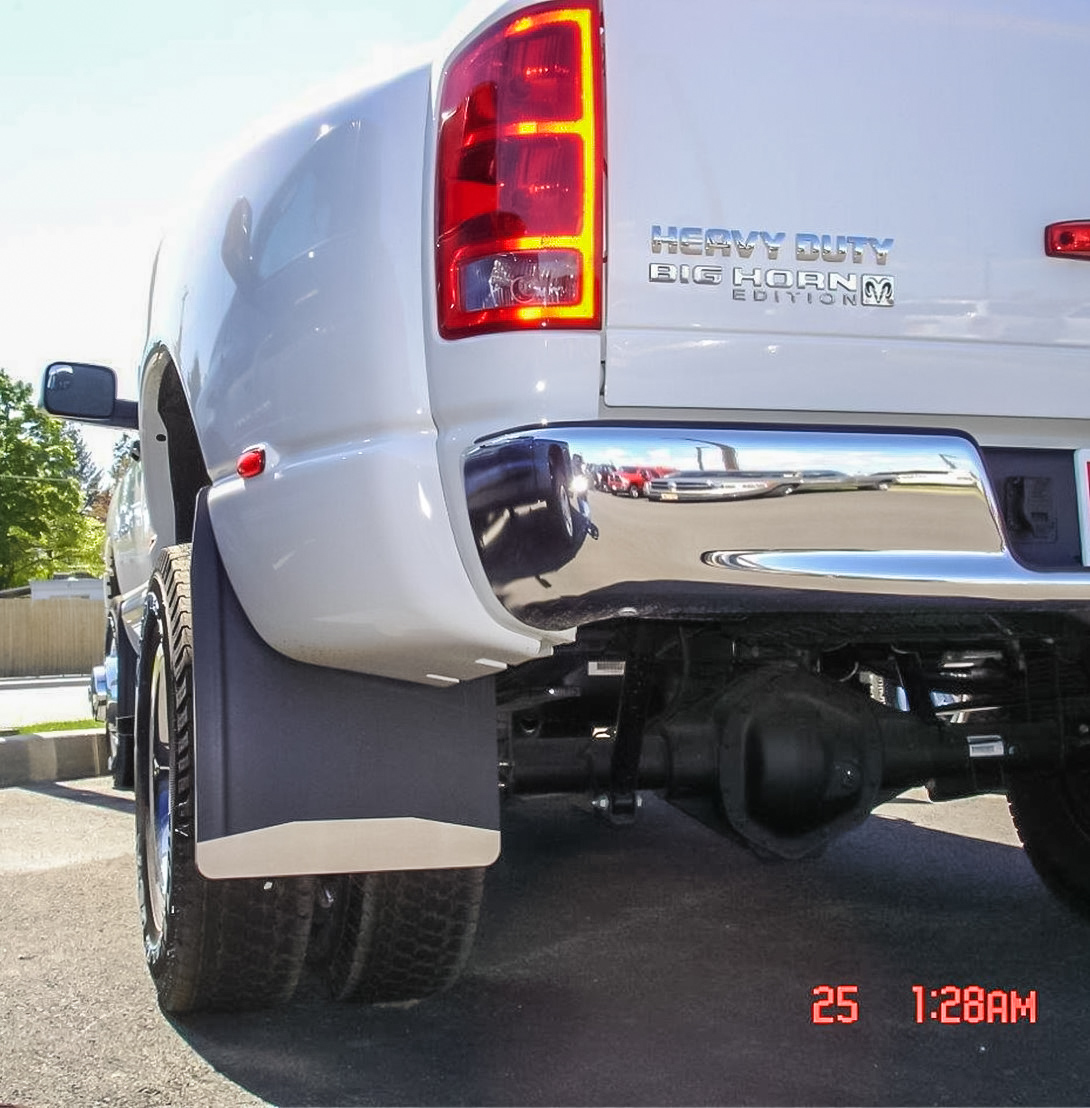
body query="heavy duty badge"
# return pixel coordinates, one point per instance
(781, 285)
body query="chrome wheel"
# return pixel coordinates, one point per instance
(110, 662)
(158, 823)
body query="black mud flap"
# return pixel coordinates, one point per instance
(302, 769)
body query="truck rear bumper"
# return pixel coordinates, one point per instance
(759, 518)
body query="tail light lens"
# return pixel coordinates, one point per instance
(519, 176)
(1068, 240)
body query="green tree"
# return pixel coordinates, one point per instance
(43, 529)
(125, 448)
(86, 472)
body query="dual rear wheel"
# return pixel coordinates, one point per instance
(1051, 813)
(243, 943)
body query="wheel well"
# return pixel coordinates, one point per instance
(188, 473)
(113, 586)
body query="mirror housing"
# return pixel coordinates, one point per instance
(88, 393)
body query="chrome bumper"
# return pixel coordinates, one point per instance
(871, 515)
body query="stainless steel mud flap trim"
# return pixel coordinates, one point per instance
(714, 519)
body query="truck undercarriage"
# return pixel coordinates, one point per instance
(791, 729)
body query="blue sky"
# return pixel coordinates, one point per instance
(108, 111)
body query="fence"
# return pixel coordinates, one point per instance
(50, 636)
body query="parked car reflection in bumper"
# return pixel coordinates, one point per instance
(915, 515)
(528, 506)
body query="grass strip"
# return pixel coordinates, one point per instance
(59, 725)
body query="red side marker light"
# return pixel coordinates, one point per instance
(251, 462)
(1068, 240)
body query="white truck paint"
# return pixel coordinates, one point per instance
(978, 306)
(805, 240)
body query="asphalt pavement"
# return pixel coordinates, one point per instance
(658, 964)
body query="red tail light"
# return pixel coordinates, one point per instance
(1068, 240)
(519, 177)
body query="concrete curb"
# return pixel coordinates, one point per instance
(53, 756)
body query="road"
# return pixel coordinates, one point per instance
(659, 964)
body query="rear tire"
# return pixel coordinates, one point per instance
(559, 505)
(1051, 813)
(209, 944)
(401, 936)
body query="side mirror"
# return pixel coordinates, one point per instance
(74, 390)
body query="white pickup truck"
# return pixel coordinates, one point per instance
(828, 264)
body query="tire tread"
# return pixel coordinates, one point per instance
(406, 934)
(1055, 832)
(227, 944)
